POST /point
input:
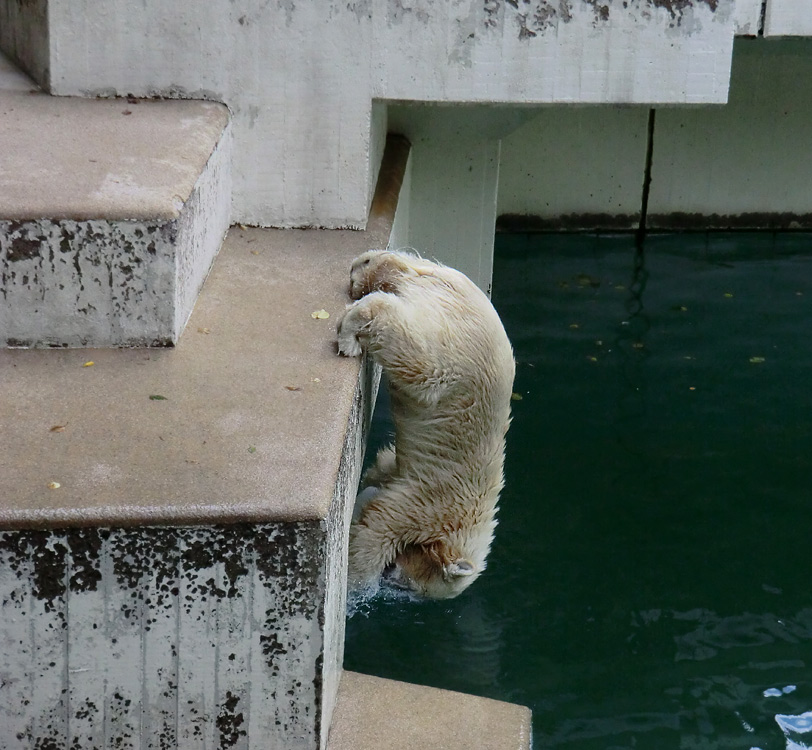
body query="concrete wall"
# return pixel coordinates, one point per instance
(745, 164)
(453, 178)
(24, 36)
(748, 17)
(300, 77)
(574, 168)
(787, 18)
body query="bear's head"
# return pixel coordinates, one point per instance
(434, 571)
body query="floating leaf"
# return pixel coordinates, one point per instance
(88, 364)
(293, 387)
(575, 325)
(756, 360)
(584, 279)
(158, 398)
(320, 314)
(592, 358)
(58, 428)
(516, 396)
(692, 388)
(54, 485)
(252, 449)
(728, 294)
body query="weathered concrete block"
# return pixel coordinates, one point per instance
(215, 636)
(173, 569)
(111, 214)
(163, 638)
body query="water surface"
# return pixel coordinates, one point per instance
(649, 585)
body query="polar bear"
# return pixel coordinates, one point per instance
(430, 503)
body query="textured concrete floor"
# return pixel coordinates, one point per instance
(377, 714)
(255, 401)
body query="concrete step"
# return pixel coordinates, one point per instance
(111, 213)
(377, 714)
(173, 522)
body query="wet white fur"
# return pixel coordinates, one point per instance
(450, 369)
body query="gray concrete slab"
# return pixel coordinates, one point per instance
(111, 212)
(377, 714)
(255, 410)
(110, 159)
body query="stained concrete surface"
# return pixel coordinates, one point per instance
(377, 714)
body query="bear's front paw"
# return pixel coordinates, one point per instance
(348, 343)
(353, 328)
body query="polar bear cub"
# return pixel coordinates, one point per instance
(428, 523)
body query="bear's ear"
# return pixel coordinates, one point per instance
(460, 568)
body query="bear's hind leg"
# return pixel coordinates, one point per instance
(382, 470)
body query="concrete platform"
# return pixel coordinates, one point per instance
(244, 420)
(377, 714)
(174, 522)
(111, 212)
(254, 402)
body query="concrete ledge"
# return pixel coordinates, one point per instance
(253, 406)
(377, 714)
(184, 584)
(254, 403)
(111, 213)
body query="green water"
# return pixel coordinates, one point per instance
(649, 585)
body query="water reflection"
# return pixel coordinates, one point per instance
(737, 631)
(460, 637)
